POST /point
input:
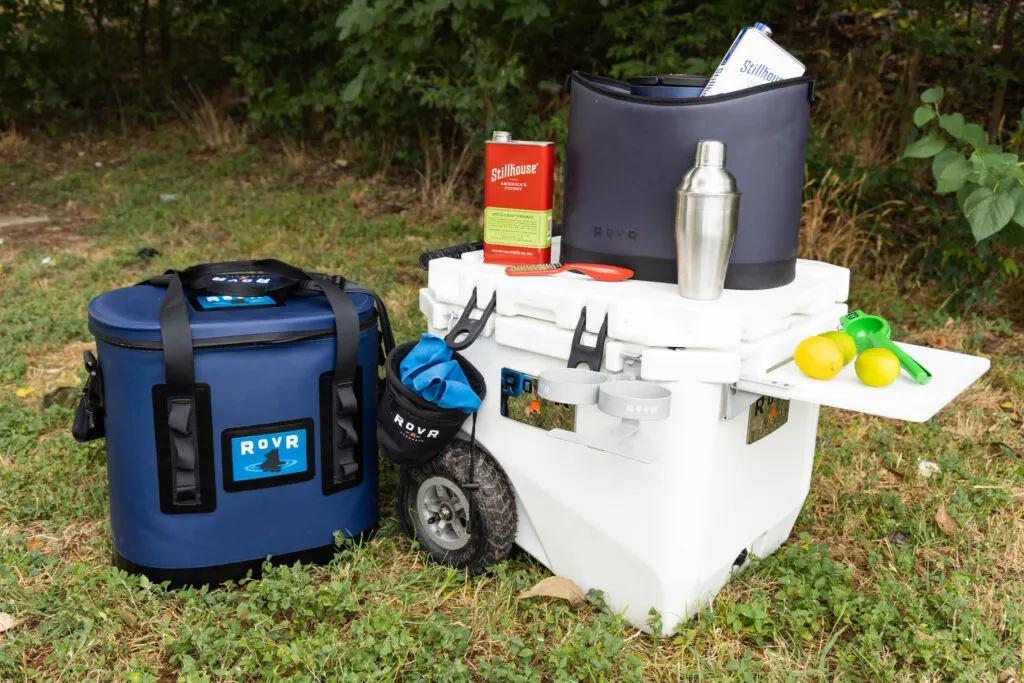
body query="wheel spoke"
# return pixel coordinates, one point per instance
(459, 527)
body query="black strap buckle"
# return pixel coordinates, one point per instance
(345, 396)
(181, 423)
(592, 356)
(346, 440)
(338, 280)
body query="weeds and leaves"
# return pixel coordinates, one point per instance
(557, 587)
(7, 622)
(945, 521)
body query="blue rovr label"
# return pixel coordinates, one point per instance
(263, 456)
(212, 302)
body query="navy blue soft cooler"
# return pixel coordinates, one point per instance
(263, 444)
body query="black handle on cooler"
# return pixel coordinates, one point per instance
(467, 329)
(592, 356)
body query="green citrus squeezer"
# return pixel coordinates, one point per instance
(872, 331)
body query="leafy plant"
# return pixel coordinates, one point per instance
(987, 180)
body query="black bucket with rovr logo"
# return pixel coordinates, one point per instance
(410, 429)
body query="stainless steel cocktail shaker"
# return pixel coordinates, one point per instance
(707, 210)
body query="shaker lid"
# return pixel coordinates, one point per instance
(709, 175)
(710, 153)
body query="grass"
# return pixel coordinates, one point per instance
(867, 588)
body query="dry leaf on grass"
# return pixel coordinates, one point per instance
(557, 587)
(7, 622)
(945, 521)
(923, 636)
(34, 544)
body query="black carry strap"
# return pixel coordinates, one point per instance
(387, 335)
(344, 398)
(216, 277)
(179, 363)
(179, 370)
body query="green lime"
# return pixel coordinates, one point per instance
(877, 367)
(845, 343)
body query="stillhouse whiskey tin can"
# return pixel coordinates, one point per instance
(518, 188)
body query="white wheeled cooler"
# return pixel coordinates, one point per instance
(656, 509)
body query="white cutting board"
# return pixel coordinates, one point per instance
(904, 399)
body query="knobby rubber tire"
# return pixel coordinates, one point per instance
(492, 508)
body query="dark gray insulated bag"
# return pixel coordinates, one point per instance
(626, 155)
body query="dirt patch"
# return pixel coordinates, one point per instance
(460, 211)
(1009, 537)
(949, 337)
(52, 237)
(55, 368)
(13, 144)
(973, 411)
(72, 544)
(58, 236)
(376, 198)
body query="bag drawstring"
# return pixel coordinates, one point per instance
(471, 484)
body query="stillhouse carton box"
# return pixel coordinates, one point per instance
(517, 200)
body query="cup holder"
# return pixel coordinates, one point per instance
(573, 386)
(634, 400)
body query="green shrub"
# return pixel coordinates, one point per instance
(987, 183)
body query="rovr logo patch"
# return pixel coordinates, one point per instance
(415, 432)
(268, 455)
(207, 303)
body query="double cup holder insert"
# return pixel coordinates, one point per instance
(630, 400)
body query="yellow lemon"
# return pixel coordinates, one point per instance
(818, 358)
(845, 343)
(877, 367)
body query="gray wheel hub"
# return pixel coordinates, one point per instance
(443, 512)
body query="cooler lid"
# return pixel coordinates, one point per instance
(652, 314)
(673, 80)
(132, 314)
(684, 80)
